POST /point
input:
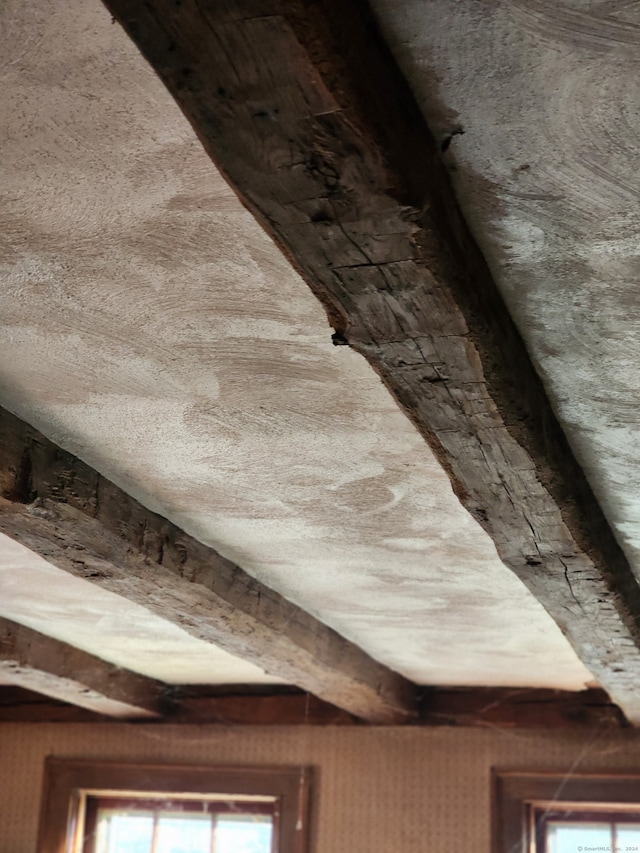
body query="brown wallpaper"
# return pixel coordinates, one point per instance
(376, 790)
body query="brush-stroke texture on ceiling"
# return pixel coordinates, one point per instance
(153, 329)
(536, 104)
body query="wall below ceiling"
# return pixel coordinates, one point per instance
(389, 790)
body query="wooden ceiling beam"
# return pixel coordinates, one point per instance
(302, 108)
(40, 663)
(490, 707)
(69, 514)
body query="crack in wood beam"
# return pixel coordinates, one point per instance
(301, 106)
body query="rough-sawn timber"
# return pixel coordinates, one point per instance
(69, 514)
(301, 106)
(48, 666)
(440, 706)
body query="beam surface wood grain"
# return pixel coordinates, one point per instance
(302, 108)
(34, 661)
(69, 514)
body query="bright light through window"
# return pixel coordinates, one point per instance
(162, 830)
(234, 835)
(124, 833)
(582, 836)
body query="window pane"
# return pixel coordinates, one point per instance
(125, 833)
(243, 834)
(184, 834)
(573, 837)
(628, 834)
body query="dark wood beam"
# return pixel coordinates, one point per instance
(504, 708)
(45, 665)
(278, 708)
(21, 705)
(301, 106)
(519, 708)
(67, 513)
(190, 706)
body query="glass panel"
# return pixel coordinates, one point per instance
(124, 833)
(628, 835)
(575, 837)
(243, 834)
(184, 833)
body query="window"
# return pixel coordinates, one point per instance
(552, 813)
(185, 825)
(120, 808)
(570, 831)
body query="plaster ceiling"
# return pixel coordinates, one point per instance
(43, 597)
(544, 102)
(153, 329)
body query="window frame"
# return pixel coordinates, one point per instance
(68, 781)
(521, 802)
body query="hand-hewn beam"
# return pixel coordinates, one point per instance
(65, 511)
(441, 706)
(190, 705)
(45, 665)
(518, 708)
(268, 709)
(301, 106)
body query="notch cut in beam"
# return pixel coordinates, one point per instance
(69, 514)
(302, 107)
(48, 666)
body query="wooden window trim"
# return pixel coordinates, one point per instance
(66, 781)
(516, 796)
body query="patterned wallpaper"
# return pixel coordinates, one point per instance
(376, 790)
